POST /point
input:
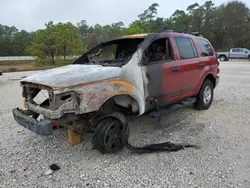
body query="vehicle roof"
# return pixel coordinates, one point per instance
(238, 48)
(167, 33)
(142, 35)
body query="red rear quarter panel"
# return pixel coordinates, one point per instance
(211, 65)
(205, 72)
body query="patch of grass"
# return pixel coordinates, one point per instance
(12, 69)
(16, 62)
(63, 62)
(26, 65)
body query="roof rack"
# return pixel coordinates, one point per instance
(175, 31)
(196, 33)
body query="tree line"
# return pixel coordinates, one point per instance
(226, 26)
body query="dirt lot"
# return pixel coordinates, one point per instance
(222, 132)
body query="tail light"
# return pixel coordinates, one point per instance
(218, 70)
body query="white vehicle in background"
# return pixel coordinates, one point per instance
(234, 53)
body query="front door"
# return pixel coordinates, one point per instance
(161, 74)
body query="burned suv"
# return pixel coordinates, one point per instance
(131, 75)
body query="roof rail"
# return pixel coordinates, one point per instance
(196, 33)
(175, 31)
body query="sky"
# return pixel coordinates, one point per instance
(33, 14)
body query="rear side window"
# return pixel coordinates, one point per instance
(205, 47)
(235, 50)
(186, 48)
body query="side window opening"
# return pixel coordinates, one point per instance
(186, 47)
(169, 52)
(159, 50)
(235, 50)
(205, 47)
(194, 48)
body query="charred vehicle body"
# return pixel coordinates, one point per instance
(134, 74)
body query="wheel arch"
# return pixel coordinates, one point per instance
(212, 78)
(94, 97)
(123, 100)
(208, 76)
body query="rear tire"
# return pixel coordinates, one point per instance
(205, 96)
(249, 58)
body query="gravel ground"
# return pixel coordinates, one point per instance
(222, 132)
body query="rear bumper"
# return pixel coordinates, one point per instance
(43, 128)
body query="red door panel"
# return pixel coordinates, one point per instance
(171, 81)
(191, 71)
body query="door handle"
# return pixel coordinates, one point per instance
(175, 69)
(201, 64)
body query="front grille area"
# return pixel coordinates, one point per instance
(38, 95)
(44, 97)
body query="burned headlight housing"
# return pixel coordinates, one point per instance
(63, 98)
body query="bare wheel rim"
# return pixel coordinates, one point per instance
(207, 95)
(112, 137)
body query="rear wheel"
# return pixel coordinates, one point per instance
(205, 96)
(249, 58)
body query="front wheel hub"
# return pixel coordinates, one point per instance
(111, 134)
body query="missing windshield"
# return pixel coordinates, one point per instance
(112, 53)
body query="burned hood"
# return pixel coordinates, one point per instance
(72, 75)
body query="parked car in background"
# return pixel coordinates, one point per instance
(234, 53)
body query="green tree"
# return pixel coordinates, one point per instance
(20, 41)
(6, 40)
(45, 43)
(180, 20)
(148, 19)
(149, 14)
(135, 28)
(68, 40)
(57, 39)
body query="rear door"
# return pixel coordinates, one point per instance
(208, 60)
(235, 53)
(189, 64)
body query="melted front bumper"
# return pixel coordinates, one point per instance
(43, 128)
